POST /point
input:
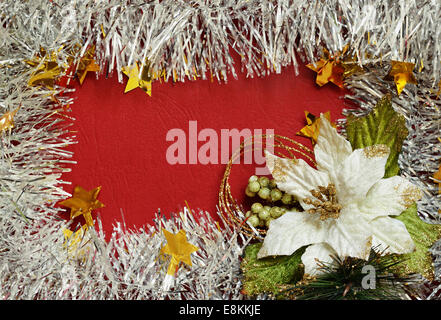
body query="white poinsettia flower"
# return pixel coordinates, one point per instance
(346, 203)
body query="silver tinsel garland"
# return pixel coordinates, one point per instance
(186, 40)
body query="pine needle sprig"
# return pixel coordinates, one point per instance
(349, 279)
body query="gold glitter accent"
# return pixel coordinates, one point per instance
(368, 247)
(410, 195)
(281, 167)
(326, 204)
(423, 235)
(376, 151)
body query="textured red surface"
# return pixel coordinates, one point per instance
(122, 137)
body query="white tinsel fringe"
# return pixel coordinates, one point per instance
(127, 266)
(187, 40)
(193, 38)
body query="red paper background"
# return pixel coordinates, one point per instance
(122, 137)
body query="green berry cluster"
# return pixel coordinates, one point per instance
(266, 189)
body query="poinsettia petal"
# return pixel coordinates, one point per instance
(320, 252)
(389, 197)
(292, 231)
(331, 148)
(391, 235)
(350, 235)
(359, 172)
(295, 176)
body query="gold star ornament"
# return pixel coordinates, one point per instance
(312, 129)
(82, 203)
(178, 248)
(138, 79)
(401, 73)
(87, 63)
(437, 176)
(7, 121)
(329, 69)
(73, 240)
(335, 68)
(47, 69)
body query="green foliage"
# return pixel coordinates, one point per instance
(343, 280)
(269, 274)
(423, 235)
(381, 126)
(384, 126)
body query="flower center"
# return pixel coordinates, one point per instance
(325, 202)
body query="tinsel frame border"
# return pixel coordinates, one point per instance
(268, 35)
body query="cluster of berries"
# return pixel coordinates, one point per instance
(276, 201)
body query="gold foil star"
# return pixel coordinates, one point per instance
(329, 69)
(72, 241)
(7, 121)
(401, 73)
(87, 63)
(142, 80)
(350, 67)
(82, 203)
(47, 70)
(312, 129)
(179, 248)
(437, 176)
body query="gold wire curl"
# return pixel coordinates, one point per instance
(230, 210)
